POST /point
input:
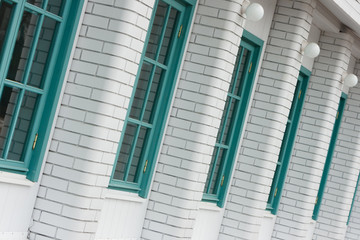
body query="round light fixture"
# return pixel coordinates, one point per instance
(253, 12)
(351, 80)
(311, 50)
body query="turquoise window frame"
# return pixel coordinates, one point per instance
(233, 125)
(329, 156)
(288, 141)
(145, 167)
(353, 200)
(41, 123)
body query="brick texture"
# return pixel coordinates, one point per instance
(313, 138)
(267, 120)
(195, 117)
(91, 116)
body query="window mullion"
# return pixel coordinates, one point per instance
(132, 151)
(237, 70)
(13, 123)
(163, 30)
(212, 171)
(229, 99)
(147, 94)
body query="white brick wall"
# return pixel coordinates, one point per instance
(266, 124)
(352, 119)
(342, 176)
(90, 119)
(195, 117)
(314, 133)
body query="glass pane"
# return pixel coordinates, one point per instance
(9, 98)
(169, 34)
(55, 6)
(227, 120)
(216, 168)
(38, 3)
(153, 95)
(141, 88)
(156, 30)
(295, 100)
(240, 79)
(138, 154)
(125, 151)
(23, 123)
(5, 16)
(42, 52)
(23, 43)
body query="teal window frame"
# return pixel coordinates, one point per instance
(288, 141)
(232, 123)
(54, 74)
(146, 163)
(353, 200)
(329, 156)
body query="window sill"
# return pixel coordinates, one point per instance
(209, 206)
(124, 196)
(16, 179)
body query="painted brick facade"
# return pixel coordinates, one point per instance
(195, 117)
(90, 121)
(316, 125)
(267, 120)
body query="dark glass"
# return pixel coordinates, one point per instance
(9, 99)
(42, 53)
(141, 88)
(155, 89)
(238, 82)
(138, 154)
(221, 154)
(168, 37)
(24, 41)
(128, 141)
(38, 3)
(158, 24)
(55, 7)
(23, 123)
(5, 16)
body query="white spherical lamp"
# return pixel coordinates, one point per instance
(254, 12)
(312, 50)
(351, 80)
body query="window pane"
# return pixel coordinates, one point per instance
(240, 78)
(227, 120)
(5, 16)
(153, 95)
(141, 88)
(55, 6)
(23, 43)
(158, 24)
(125, 151)
(169, 34)
(218, 157)
(38, 3)
(8, 102)
(138, 154)
(23, 123)
(42, 52)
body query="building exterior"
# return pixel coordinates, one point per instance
(179, 119)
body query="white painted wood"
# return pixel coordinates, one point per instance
(122, 216)
(267, 226)
(208, 222)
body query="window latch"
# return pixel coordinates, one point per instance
(35, 140)
(180, 30)
(146, 163)
(299, 93)
(275, 192)
(222, 180)
(250, 67)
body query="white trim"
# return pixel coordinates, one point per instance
(123, 195)
(209, 206)
(14, 178)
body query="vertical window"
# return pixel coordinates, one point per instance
(329, 156)
(31, 34)
(353, 200)
(232, 120)
(149, 105)
(288, 141)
